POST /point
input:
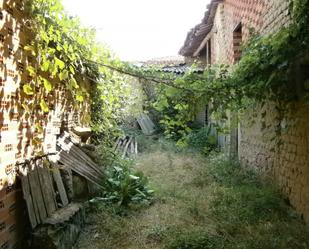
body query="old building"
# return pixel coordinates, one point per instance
(227, 25)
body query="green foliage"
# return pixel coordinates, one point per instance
(123, 186)
(59, 44)
(44, 106)
(67, 54)
(202, 140)
(107, 111)
(241, 197)
(266, 71)
(179, 105)
(28, 89)
(229, 173)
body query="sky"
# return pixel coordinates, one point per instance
(138, 30)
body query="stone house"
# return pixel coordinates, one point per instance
(217, 40)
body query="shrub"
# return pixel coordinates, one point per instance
(202, 140)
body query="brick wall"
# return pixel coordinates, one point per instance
(18, 134)
(259, 16)
(286, 158)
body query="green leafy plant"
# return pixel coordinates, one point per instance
(124, 187)
(202, 140)
(67, 56)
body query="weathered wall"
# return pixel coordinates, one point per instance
(20, 137)
(260, 16)
(286, 158)
(279, 146)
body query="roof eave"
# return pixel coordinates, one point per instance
(197, 35)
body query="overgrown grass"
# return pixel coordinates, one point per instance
(249, 212)
(148, 144)
(200, 203)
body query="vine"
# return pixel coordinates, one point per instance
(67, 56)
(266, 71)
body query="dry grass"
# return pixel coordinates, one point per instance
(178, 203)
(199, 204)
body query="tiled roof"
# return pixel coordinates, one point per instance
(164, 61)
(170, 64)
(196, 35)
(180, 69)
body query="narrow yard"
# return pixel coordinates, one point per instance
(199, 203)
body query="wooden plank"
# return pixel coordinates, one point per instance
(126, 147)
(116, 144)
(136, 151)
(47, 190)
(83, 156)
(68, 181)
(94, 169)
(75, 159)
(29, 201)
(52, 184)
(79, 154)
(74, 162)
(79, 168)
(146, 124)
(37, 195)
(132, 146)
(60, 187)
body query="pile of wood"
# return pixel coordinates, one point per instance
(72, 157)
(47, 185)
(126, 146)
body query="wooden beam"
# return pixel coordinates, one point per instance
(32, 213)
(60, 187)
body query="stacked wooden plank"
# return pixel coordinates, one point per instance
(126, 146)
(73, 158)
(43, 187)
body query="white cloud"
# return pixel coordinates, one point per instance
(140, 29)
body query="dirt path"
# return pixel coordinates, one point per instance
(179, 202)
